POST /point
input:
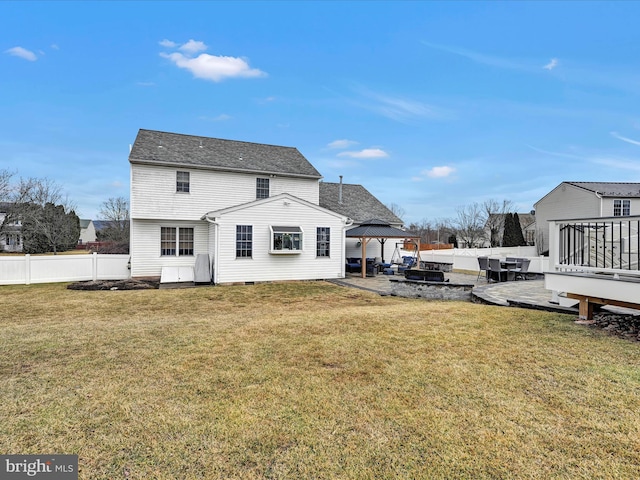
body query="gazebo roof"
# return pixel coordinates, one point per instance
(376, 228)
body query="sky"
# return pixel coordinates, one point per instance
(431, 106)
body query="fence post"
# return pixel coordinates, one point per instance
(27, 269)
(94, 266)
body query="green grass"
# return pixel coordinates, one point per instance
(310, 380)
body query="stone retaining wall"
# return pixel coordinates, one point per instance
(401, 287)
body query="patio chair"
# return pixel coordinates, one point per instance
(522, 271)
(495, 267)
(483, 264)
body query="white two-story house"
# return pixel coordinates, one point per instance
(251, 209)
(572, 200)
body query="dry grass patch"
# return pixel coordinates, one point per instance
(310, 380)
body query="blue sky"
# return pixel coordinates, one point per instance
(429, 105)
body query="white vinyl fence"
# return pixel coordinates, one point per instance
(467, 258)
(27, 269)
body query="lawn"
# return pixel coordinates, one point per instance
(311, 380)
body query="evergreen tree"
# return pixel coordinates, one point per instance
(508, 237)
(519, 236)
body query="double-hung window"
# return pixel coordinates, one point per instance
(176, 241)
(286, 239)
(182, 182)
(262, 188)
(244, 241)
(621, 208)
(323, 241)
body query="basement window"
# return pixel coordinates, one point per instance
(286, 239)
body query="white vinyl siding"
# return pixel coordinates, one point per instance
(265, 266)
(146, 253)
(154, 196)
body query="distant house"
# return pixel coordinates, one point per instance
(247, 212)
(10, 231)
(87, 232)
(572, 200)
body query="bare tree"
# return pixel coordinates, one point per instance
(5, 185)
(397, 210)
(115, 211)
(469, 225)
(495, 213)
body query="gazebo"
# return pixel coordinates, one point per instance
(380, 230)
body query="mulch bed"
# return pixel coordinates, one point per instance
(625, 326)
(115, 285)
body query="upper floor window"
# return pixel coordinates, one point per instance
(323, 241)
(286, 239)
(621, 208)
(182, 182)
(244, 241)
(262, 188)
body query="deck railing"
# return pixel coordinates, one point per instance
(597, 245)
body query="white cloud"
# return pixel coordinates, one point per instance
(22, 53)
(552, 64)
(220, 118)
(625, 139)
(55, 47)
(193, 46)
(340, 144)
(209, 67)
(401, 109)
(167, 43)
(439, 172)
(146, 84)
(366, 153)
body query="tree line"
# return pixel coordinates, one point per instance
(47, 218)
(491, 222)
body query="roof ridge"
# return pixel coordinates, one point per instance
(217, 138)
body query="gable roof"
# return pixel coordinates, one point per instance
(280, 197)
(174, 149)
(610, 189)
(357, 203)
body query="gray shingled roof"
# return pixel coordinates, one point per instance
(377, 228)
(357, 203)
(610, 189)
(163, 148)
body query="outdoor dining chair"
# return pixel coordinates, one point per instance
(495, 267)
(483, 265)
(522, 271)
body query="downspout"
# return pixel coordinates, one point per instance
(217, 245)
(347, 223)
(600, 197)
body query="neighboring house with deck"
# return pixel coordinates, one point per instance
(591, 230)
(584, 200)
(245, 212)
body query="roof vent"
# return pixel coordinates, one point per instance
(340, 191)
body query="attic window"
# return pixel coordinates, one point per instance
(182, 182)
(286, 239)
